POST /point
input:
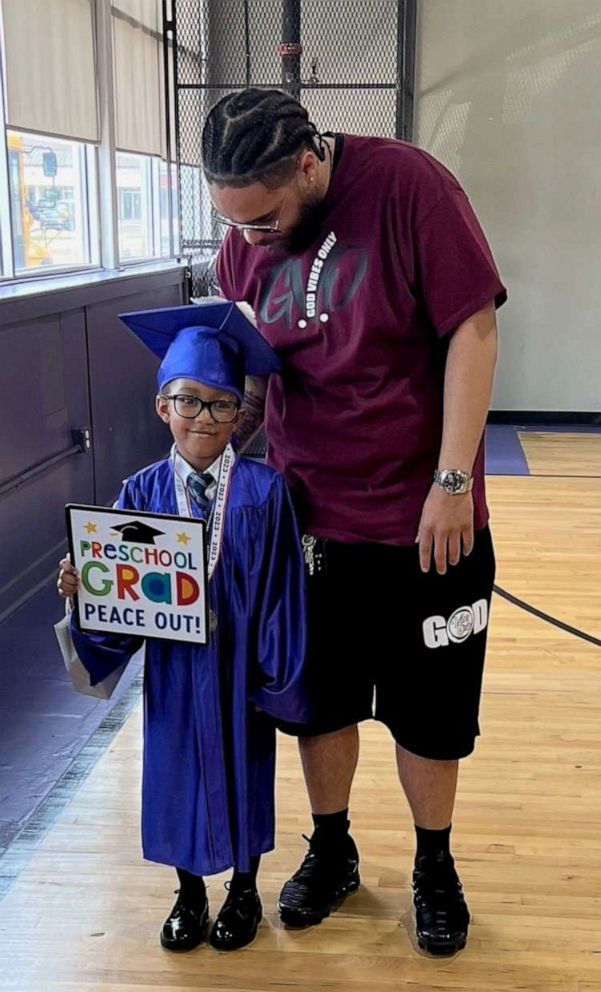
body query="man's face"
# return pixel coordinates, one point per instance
(294, 210)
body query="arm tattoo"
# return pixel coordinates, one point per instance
(255, 387)
(254, 404)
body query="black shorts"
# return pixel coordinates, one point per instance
(377, 622)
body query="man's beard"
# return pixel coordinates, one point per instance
(306, 230)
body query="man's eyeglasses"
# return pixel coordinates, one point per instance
(189, 407)
(264, 228)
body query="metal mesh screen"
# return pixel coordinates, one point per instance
(346, 60)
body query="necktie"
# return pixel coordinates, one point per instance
(198, 483)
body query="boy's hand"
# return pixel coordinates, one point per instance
(68, 579)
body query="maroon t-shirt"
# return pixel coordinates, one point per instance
(361, 322)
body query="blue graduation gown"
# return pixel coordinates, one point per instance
(209, 756)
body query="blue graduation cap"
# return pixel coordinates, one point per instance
(211, 343)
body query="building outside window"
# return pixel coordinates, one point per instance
(136, 221)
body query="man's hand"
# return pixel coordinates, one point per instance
(446, 528)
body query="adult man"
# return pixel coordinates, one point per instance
(370, 276)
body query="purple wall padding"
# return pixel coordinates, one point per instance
(63, 367)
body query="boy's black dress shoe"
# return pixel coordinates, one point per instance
(441, 914)
(323, 880)
(238, 920)
(186, 926)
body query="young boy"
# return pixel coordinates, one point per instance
(209, 745)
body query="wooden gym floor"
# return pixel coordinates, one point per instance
(85, 910)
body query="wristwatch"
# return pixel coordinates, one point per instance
(453, 481)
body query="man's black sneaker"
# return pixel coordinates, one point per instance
(321, 883)
(441, 914)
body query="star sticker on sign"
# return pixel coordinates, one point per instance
(91, 527)
(183, 538)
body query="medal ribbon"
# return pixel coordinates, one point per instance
(219, 503)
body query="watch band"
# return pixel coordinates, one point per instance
(453, 481)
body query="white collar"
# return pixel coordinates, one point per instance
(184, 469)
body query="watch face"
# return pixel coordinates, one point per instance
(452, 482)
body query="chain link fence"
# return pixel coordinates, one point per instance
(349, 62)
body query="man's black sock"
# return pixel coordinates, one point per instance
(331, 831)
(433, 844)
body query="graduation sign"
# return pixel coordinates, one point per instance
(140, 573)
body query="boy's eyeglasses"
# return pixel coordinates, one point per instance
(264, 228)
(189, 407)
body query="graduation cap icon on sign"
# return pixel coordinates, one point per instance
(138, 532)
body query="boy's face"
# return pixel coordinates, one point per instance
(199, 440)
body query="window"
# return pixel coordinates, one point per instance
(56, 191)
(130, 204)
(166, 189)
(53, 203)
(198, 222)
(135, 189)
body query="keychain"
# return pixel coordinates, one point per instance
(313, 551)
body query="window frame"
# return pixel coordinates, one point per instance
(149, 199)
(99, 193)
(87, 207)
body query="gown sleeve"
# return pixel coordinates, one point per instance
(282, 628)
(102, 654)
